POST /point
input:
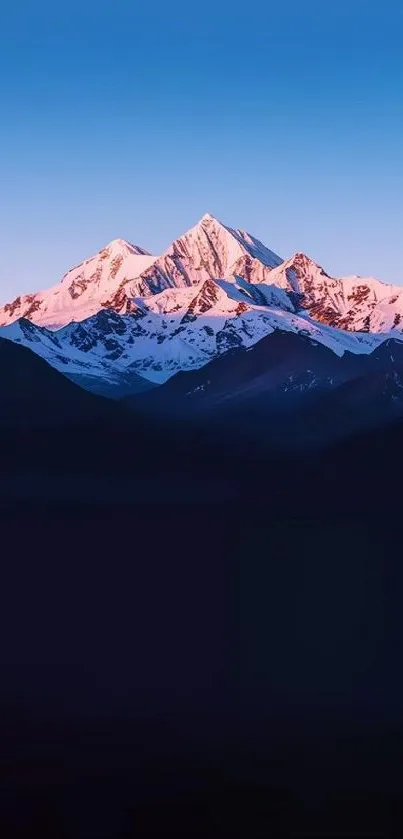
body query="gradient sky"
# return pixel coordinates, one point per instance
(132, 119)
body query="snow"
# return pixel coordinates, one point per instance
(157, 342)
(214, 288)
(83, 290)
(207, 251)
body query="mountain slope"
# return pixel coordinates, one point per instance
(274, 373)
(351, 303)
(33, 394)
(96, 373)
(84, 290)
(287, 389)
(372, 397)
(209, 250)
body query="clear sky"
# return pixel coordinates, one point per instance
(132, 119)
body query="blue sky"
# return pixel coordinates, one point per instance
(133, 119)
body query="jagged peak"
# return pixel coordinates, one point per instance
(208, 221)
(303, 260)
(124, 245)
(300, 256)
(208, 217)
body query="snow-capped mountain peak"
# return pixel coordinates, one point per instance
(125, 312)
(84, 290)
(121, 245)
(354, 303)
(121, 272)
(248, 243)
(209, 250)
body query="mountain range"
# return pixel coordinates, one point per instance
(222, 328)
(124, 320)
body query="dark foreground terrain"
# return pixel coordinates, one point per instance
(200, 635)
(207, 669)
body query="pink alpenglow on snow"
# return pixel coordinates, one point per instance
(124, 312)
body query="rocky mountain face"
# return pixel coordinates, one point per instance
(84, 290)
(210, 250)
(124, 319)
(349, 303)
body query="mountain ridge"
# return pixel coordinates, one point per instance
(124, 313)
(287, 389)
